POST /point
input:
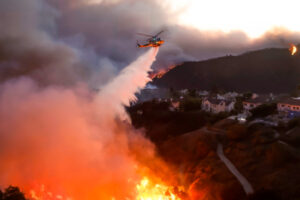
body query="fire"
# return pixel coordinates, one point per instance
(147, 190)
(293, 49)
(160, 73)
(41, 193)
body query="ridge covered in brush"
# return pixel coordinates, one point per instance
(263, 71)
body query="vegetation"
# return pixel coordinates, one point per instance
(238, 106)
(265, 194)
(191, 104)
(12, 193)
(161, 123)
(246, 72)
(236, 132)
(294, 123)
(263, 110)
(259, 156)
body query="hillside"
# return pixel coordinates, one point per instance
(263, 71)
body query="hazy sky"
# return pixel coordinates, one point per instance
(254, 17)
(94, 39)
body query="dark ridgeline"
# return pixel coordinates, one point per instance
(263, 71)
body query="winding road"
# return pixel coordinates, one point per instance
(244, 182)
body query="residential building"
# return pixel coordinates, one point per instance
(289, 107)
(256, 101)
(217, 105)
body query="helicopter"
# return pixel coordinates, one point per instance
(153, 41)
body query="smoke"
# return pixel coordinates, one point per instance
(131, 79)
(114, 35)
(91, 41)
(72, 140)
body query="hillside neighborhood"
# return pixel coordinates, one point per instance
(238, 106)
(214, 136)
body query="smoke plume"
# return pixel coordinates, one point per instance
(71, 140)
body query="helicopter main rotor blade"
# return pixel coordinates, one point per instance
(143, 34)
(158, 33)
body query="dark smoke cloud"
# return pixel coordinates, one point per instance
(31, 45)
(110, 29)
(73, 40)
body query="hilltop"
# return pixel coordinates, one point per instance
(262, 71)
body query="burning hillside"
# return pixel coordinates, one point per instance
(293, 49)
(77, 144)
(160, 73)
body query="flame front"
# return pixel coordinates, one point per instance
(293, 49)
(147, 190)
(40, 193)
(160, 73)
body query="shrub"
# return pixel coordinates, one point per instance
(263, 110)
(236, 132)
(264, 194)
(13, 193)
(191, 104)
(293, 123)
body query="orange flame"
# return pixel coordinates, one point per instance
(147, 190)
(41, 193)
(160, 73)
(293, 49)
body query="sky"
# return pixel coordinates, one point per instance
(92, 40)
(254, 17)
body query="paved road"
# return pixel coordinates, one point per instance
(244, 182)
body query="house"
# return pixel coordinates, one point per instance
(174, 105)
(289, 107)
(203, 93)
(228, 96)
(217, 105)
(256, 101)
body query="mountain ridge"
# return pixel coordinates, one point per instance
(263, 71)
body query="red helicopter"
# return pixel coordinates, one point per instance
(153, 41)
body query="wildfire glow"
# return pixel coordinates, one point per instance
(148, 190)
(41, 193)
(293, 49)
(160, 73)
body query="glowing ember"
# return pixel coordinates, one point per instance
(160, 73)
(42, 194)
(147, 190)
(293, 49)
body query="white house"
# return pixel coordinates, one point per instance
(256, 101)
(217, 105)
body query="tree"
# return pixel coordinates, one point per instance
(247, 95)
(191, 104)
(174, 93)
(13, 193)
(192, 92)
(238, 106)
(264, 110)
(236, 132)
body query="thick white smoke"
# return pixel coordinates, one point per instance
(131, 79)
(71, 140)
